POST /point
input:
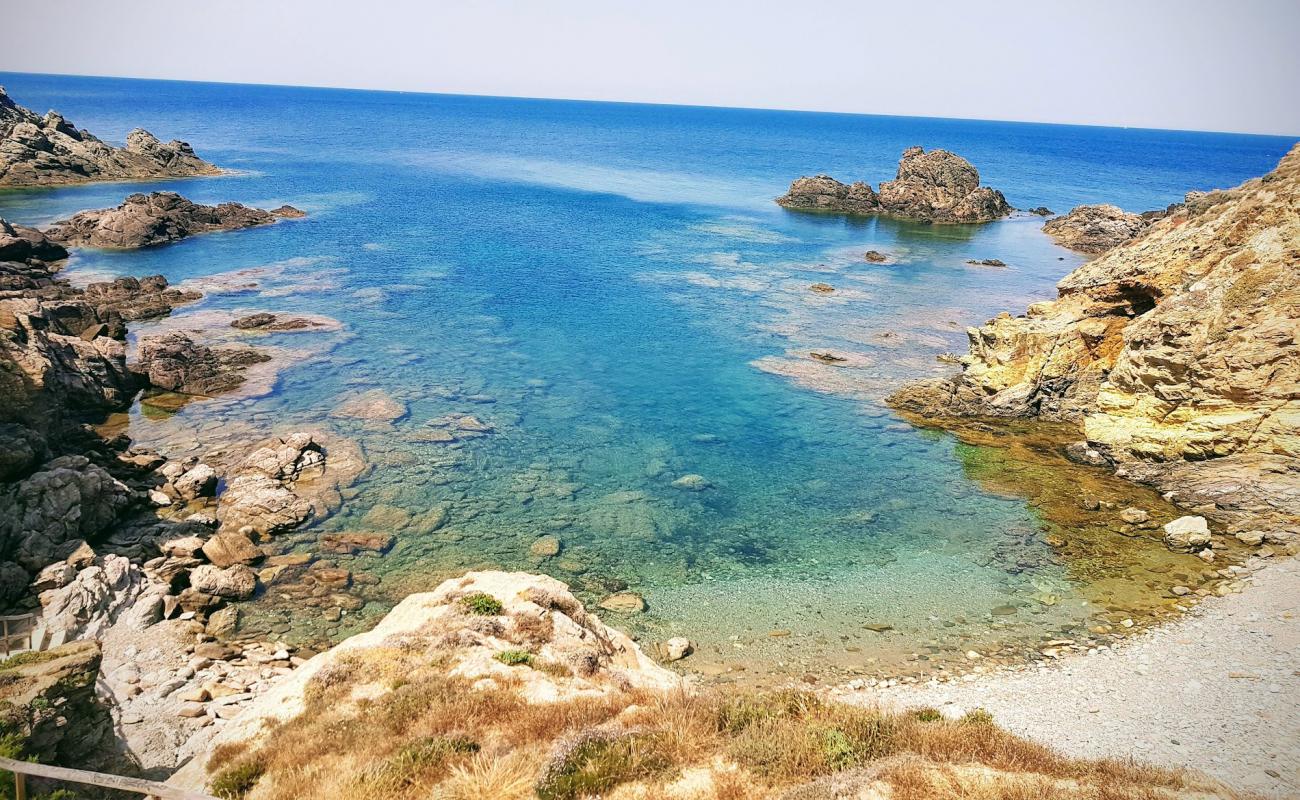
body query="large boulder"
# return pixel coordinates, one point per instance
(104, 594)
(69, 499)
(236, 582)
(176, 363)
(49, 150)
(137, 298)
(145, 220)
(1095, 229)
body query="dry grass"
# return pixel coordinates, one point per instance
(436, 738)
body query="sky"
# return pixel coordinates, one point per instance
(1223, 65)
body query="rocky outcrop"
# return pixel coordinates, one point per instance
(1095, 229)
(934, 186)
(176, 363)
(463, 626)
(110, 590)
(49, 150)
(824, 193)
(137, 298)
(284, 482)
(1177, 352)
(147, 220)
(50, 705)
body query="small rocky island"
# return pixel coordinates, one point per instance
(146, 220)
(934, 186)
(49, 150)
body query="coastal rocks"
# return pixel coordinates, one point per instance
(375, 405)
(545, 547)
(148, 220)
(940, 186)
(624, 603)
(176, 363)
(1177, 351)
(1187, 534)
(824, 193)
(937, 186)
(236, 582)
(228, 548)
(692, 483)
(875, 257)
(286, 481)
(273, 323)
(137, 298)
(677, 648)
(69, 499)
(102, 594)
(51, 708)
(49, 150)
(1095, 229)
(350, 544)
(27, 246)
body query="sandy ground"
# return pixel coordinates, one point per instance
(1218, 691)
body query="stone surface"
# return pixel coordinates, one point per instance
(624, 603)
(1176, 351)
(1187, 533)
(100, 596)
(52, 708)
(49, 150)
(231, 547)
(934, 186)
(236, 582)
(175, 362)
(147, 220)
(1095, 229)
(67, 500)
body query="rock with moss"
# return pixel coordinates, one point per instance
(49, 706)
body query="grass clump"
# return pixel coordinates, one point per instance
(976, 716)
(597, 762)
(482, 603)
(417, 763)
(515, 658)
(927, 714)
(28, 657)
(237, 780)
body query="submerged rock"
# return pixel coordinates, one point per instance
(934, 186)
(49, 150)
(147, 220)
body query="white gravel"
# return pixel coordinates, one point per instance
(1218, 691)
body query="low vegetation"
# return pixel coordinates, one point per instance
(435, 737)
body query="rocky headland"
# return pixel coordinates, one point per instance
(1097, 228)
(50, 150)
(934, 186)
(147, 220)
(1177, 355)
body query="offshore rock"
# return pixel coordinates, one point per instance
(1095, 229)
(824, 193)
(176, 363)
(147, 220)
(49, 150)
(1178, 352)
(937, 186)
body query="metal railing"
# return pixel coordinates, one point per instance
(21, 769)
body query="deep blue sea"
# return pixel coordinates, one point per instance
(611, 288)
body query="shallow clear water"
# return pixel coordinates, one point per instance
(611, 288)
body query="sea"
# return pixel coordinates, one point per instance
(610, 292)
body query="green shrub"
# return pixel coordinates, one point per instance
(927, 714)
(976, 716)
(515, 658)
(237, 780)
(482, 603)
(600, 761)
(738, 713)
(424, 758)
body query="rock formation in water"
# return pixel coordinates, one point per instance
(174, 362)
(1177, 352)
(937, 186)
(49, 150)
(146, 220)
(1095, 229)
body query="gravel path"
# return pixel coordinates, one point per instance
(1218, 690)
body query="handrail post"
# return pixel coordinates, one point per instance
(20, 786)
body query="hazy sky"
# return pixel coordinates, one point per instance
(1198, 64)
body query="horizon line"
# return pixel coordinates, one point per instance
(269, 84)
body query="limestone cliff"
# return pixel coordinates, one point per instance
(49, 150)
(1177, 352)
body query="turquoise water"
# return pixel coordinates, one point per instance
(612, 290)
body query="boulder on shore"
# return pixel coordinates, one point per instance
(147, 220)
(176, 363)
(49, 150)
(1095, 229)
